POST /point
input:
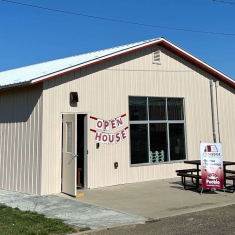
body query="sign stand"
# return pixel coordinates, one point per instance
(212, 175)
(201, 191)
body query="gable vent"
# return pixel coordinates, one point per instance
(156, 56)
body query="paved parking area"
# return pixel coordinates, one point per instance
(209, 222)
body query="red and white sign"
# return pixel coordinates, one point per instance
(212, 165)
(99, 124)
(112, 139)
(103, 125)
(107, 138)
(106, 125)
(119, 121)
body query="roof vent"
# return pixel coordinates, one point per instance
(156, 56)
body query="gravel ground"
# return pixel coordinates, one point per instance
(213, 221)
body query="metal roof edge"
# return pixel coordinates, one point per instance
(199, 60)
(14, 85)
(162, 41)
(97, 60)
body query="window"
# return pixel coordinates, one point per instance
(157, 130)
(138, 108)
(69, 137)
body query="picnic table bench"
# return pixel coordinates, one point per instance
(230, 171)
(190, 173)
(231, 188)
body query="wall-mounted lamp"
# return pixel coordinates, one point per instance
(115, 165)
(73, 97)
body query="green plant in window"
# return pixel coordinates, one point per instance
(157, 156)
(162, 156)
(151, 156)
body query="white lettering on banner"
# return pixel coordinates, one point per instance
(99, 124)
(119, 121)
(212, 182)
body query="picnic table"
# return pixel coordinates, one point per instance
(188, 173)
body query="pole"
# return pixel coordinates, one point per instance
(212, 110)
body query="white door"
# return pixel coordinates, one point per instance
(69, 169)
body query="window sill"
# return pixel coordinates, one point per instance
(160, 163)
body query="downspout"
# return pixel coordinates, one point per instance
(217, 108)
(212, 110)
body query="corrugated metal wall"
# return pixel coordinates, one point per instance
(103, 91)
(20, 139)
(226, 111)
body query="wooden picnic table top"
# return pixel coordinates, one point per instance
(198, 162)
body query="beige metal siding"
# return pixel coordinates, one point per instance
(226, 110)
(103, 91)
(20, 139)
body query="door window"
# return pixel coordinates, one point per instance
(69, 137)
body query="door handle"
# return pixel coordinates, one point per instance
(72, 157)
(75, 155)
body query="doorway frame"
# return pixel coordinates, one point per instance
(86, 123)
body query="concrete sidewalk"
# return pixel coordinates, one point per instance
(155, 199)
(72, 212)
(117, 205)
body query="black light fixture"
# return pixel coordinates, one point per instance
(73, 97)
(115, 165)
(97, 145)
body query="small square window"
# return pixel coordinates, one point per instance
(157, 108)
(175, 109)
(138, 108)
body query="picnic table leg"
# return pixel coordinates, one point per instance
(197, 180)
(224, 176)
(184, 182)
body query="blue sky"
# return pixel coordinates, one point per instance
(29, 35)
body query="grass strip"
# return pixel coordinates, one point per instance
(14, 221)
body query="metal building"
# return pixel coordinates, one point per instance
(127, 114)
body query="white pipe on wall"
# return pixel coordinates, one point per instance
(212, 110)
